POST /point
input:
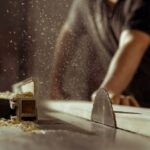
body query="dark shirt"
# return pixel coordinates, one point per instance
(104, 25)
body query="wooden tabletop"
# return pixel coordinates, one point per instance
(58, 131)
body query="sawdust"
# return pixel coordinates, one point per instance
(11, 95)
(25, 94)
(7, 95)
(26, 126)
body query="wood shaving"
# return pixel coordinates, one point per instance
(25, 94)
(7, 95)
(26, 126)
(11, 95)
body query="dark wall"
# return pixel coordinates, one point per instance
(9, 39)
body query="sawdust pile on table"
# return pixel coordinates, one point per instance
(27, 126)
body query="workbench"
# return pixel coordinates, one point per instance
(60, 131)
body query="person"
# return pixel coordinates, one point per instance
(119, 32)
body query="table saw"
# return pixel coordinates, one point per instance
(79, 125)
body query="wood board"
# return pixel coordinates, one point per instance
(128, 118)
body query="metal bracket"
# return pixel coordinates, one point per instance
(102, 111)
(25, 108)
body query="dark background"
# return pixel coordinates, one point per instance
(28, 33)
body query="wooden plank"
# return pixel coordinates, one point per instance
(128, 118)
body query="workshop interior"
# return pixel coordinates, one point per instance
(29, 117)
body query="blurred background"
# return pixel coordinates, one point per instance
(28, 33)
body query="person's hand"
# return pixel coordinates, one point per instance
(120, 100)
(125, 100)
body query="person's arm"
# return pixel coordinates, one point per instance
(65, 48)
(124, 64)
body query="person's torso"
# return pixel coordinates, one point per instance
(104, 27)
